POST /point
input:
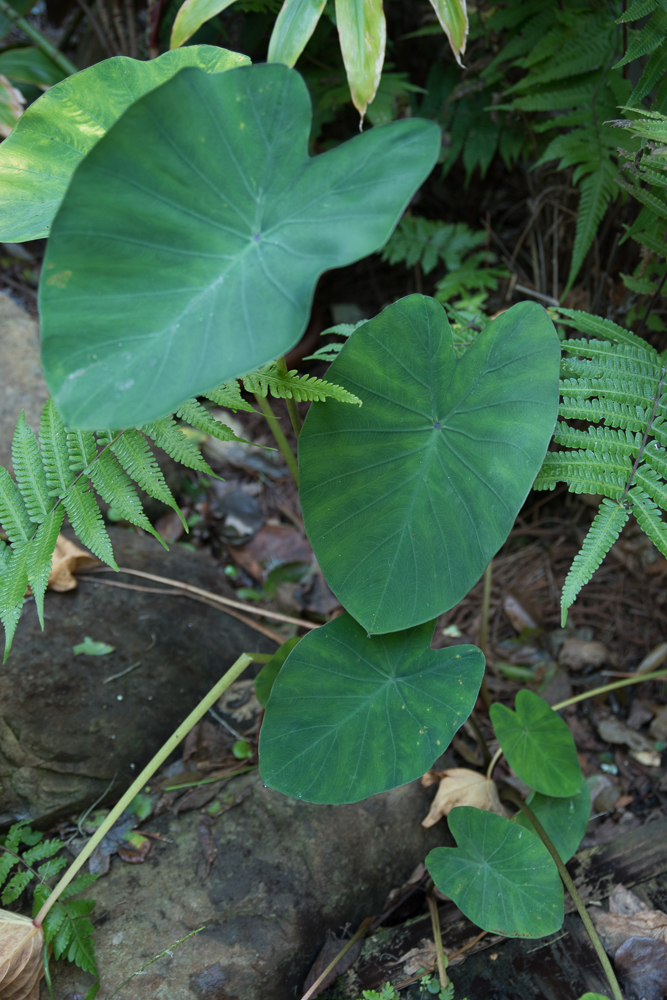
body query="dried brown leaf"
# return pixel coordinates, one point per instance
(67, 559)
(628, 917)
(641, 748)
(419, 958)
(206, 842)
(461, 787)
(21, 957)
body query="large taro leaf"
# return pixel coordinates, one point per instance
(352, 715)
(564, 819)
(56, 132)
(407, 498)
(189, 242)
(538, 745)
(502, 877)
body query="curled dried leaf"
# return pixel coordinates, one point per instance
(21, 957)
(461, 787)
(67, 559)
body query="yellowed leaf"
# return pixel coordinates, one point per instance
(11, 106)
(461, 787)
(21, 957)
(67, 559)
(453, 18)
(362, 31)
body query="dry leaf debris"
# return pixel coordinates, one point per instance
(67, 559)
(461, 787)
(628, 917)
(642, 749)
(21, 957)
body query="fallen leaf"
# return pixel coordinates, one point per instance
(658, 728)
(67, 559)
(135, 849)
(641, 962)
(419, 959)
(240, 701)
(92, 648)
(654, 660)
(332, 945)
(170, 526)
(13, 101)
(628, 917)
(641, 748)
(578, 653)
(520, 612)
(641, 713)
(209, 850)
(461, 787)
(197, 797)
(273, 544)
(21, 957)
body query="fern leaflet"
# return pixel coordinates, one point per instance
(167, 435)
(29, 471)
(605, 529)
(289, 385)
(55, 454)
(86, 519)
(40, 555)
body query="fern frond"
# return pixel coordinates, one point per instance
(301, 388)
(51, 867)
(30, 476)
(14, 516)
(116, 488)
(198, 416)
(585, 472)
(229, 395)
(640, 8)
(5, 557)
(15, 886)
(648, 480)
(74, 938)
(86, 519)
(595, 326)
(13, 585)
(80, 884)
(42, 850)
(626, 390)
(132, 451)
(647, 40)
(81, 448)
(649, 518)
(40, 557)
(603, 532)
(654, 72)
(621, 415)
(167, 435)
(655, 205)
(55, 456)
(598, 439)
(598, 190)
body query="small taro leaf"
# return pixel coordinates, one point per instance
(538, 745)
(30, 65)
(57, 131)
(407, 498)
(217, 290)
(92, 648)
(501, 877)
(266, 678)
(351, 715)
(564, 819)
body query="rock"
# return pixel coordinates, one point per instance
(21, 384)
(578, 653)
(642, 965)
(64, 733)
(658, 728)
(286, 872)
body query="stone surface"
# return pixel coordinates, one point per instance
(286, 871)
(21, 382)
(64, 734)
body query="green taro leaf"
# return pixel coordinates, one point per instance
(538, 745)
(564, 819)
(407, 498)
(55, 133)
(189, 243)
(351, 715)
(499, 875)
(266, 678)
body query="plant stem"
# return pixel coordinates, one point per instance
(494, 760)
(61, 61)
(486, 753)
(137, 785)
(610, 687)
(291, 404)
(514, 797)
(484, 628)
(361, 931)
(440, 956)
(277, 432)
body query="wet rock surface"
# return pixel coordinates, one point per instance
(21, 384)
(64, 733)
(285, 872)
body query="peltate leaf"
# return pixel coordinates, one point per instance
(564, 819)
(408, 497)
(57, 131)
(219, 290)
(538, 745)
(500, 876)
(351, 715)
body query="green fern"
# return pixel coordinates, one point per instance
(290, 385)
(619, 388)
(421, 241)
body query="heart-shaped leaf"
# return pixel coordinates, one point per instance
(202, 209)
(564, 819)
(352, 715)
(407, 498)
(60, 127)
(538, 745)
(500, 876)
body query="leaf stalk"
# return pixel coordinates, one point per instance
(42, 43)
(278, 434)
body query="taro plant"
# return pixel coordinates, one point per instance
(188, 227)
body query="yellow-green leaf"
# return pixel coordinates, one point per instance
(453, 17)
(191, 16)
(363, 34)
(294, 25)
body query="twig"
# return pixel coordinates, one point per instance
(137, 785)
(120, 28)
(114, 677)
(609, 687)
(130, 17)
(440, 956)
(209, 595)
(361, 931)
(494, 760)
(484, 629)
(106, 25)
(279, 435)
(294, 415)
(42, 43)
(514, 797)
(167, 951)
(208, 781)
(549, 299)
(95, 25)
